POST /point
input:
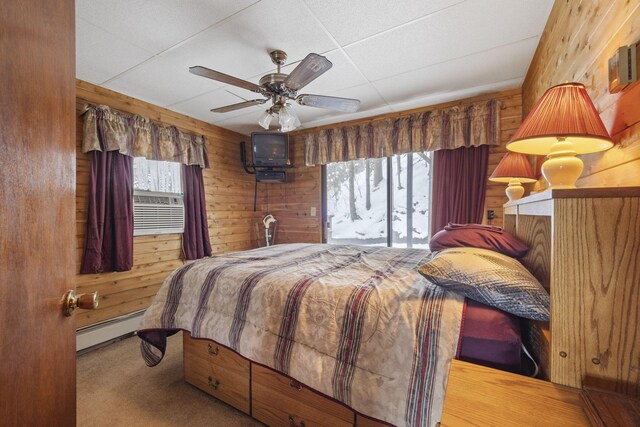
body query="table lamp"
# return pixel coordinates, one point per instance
(515, 169)
(563, 123)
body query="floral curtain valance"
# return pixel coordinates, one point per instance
(137, 136)
(469, 126)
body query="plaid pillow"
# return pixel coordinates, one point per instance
(490, 278)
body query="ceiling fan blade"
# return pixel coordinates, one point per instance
(343, 105)
(239, 105)
(224, 78)
(311, 67)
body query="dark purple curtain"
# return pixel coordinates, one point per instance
(109, 235)
(459, 186)
(195, 240)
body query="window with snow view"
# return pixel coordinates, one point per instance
(156, 176)
(380, 202)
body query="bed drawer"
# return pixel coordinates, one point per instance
(218, 371)
(280, 401)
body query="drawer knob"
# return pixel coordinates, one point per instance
(213, 383)
(292, 422)
(295, 384)
(213, 351)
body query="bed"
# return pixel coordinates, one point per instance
(354, 330)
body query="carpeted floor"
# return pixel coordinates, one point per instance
(116, 388)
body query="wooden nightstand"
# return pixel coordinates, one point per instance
(484, 397)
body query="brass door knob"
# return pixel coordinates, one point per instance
(71, 301)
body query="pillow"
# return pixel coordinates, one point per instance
(478, 236)
(490, 278)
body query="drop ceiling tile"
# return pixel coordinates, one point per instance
(238, 47)
(245, 123)
(162, 81)
(101, 55)
(505, 63)
(455, 32)
(200, 106)
(156, 25)
(442, 97)
(349, 21)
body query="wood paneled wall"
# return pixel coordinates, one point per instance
(576, 44)
(229, 195)
(292, 202)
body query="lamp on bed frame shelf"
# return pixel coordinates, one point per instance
(563, 123)
(515, 169)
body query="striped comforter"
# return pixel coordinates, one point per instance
(358, 324)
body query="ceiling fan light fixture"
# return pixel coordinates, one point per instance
(292, 112)
(287, 118)
(265, 119)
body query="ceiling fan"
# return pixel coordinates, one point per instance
(281, 88)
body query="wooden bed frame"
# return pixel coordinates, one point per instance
(585, 249)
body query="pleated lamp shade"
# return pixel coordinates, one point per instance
(513, 165)
(515, 169)
(564, 111)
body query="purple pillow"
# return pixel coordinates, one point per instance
(490, 337)
(478, 236)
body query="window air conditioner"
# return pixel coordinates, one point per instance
(157, 213)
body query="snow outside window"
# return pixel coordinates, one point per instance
(380, 202)
(157, 176)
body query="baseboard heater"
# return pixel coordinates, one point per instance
(100, 333)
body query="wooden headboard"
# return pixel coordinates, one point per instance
(585, 249)
(535, 231)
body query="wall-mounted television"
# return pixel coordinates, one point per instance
(270, 149)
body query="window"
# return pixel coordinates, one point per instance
(157, 197)
(383, 202)
(157, 176)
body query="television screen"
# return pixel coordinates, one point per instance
(270, 148)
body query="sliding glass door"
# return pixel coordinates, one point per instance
(411, 200)
(382, 202)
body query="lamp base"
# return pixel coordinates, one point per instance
(562, 168)
(515, 190)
